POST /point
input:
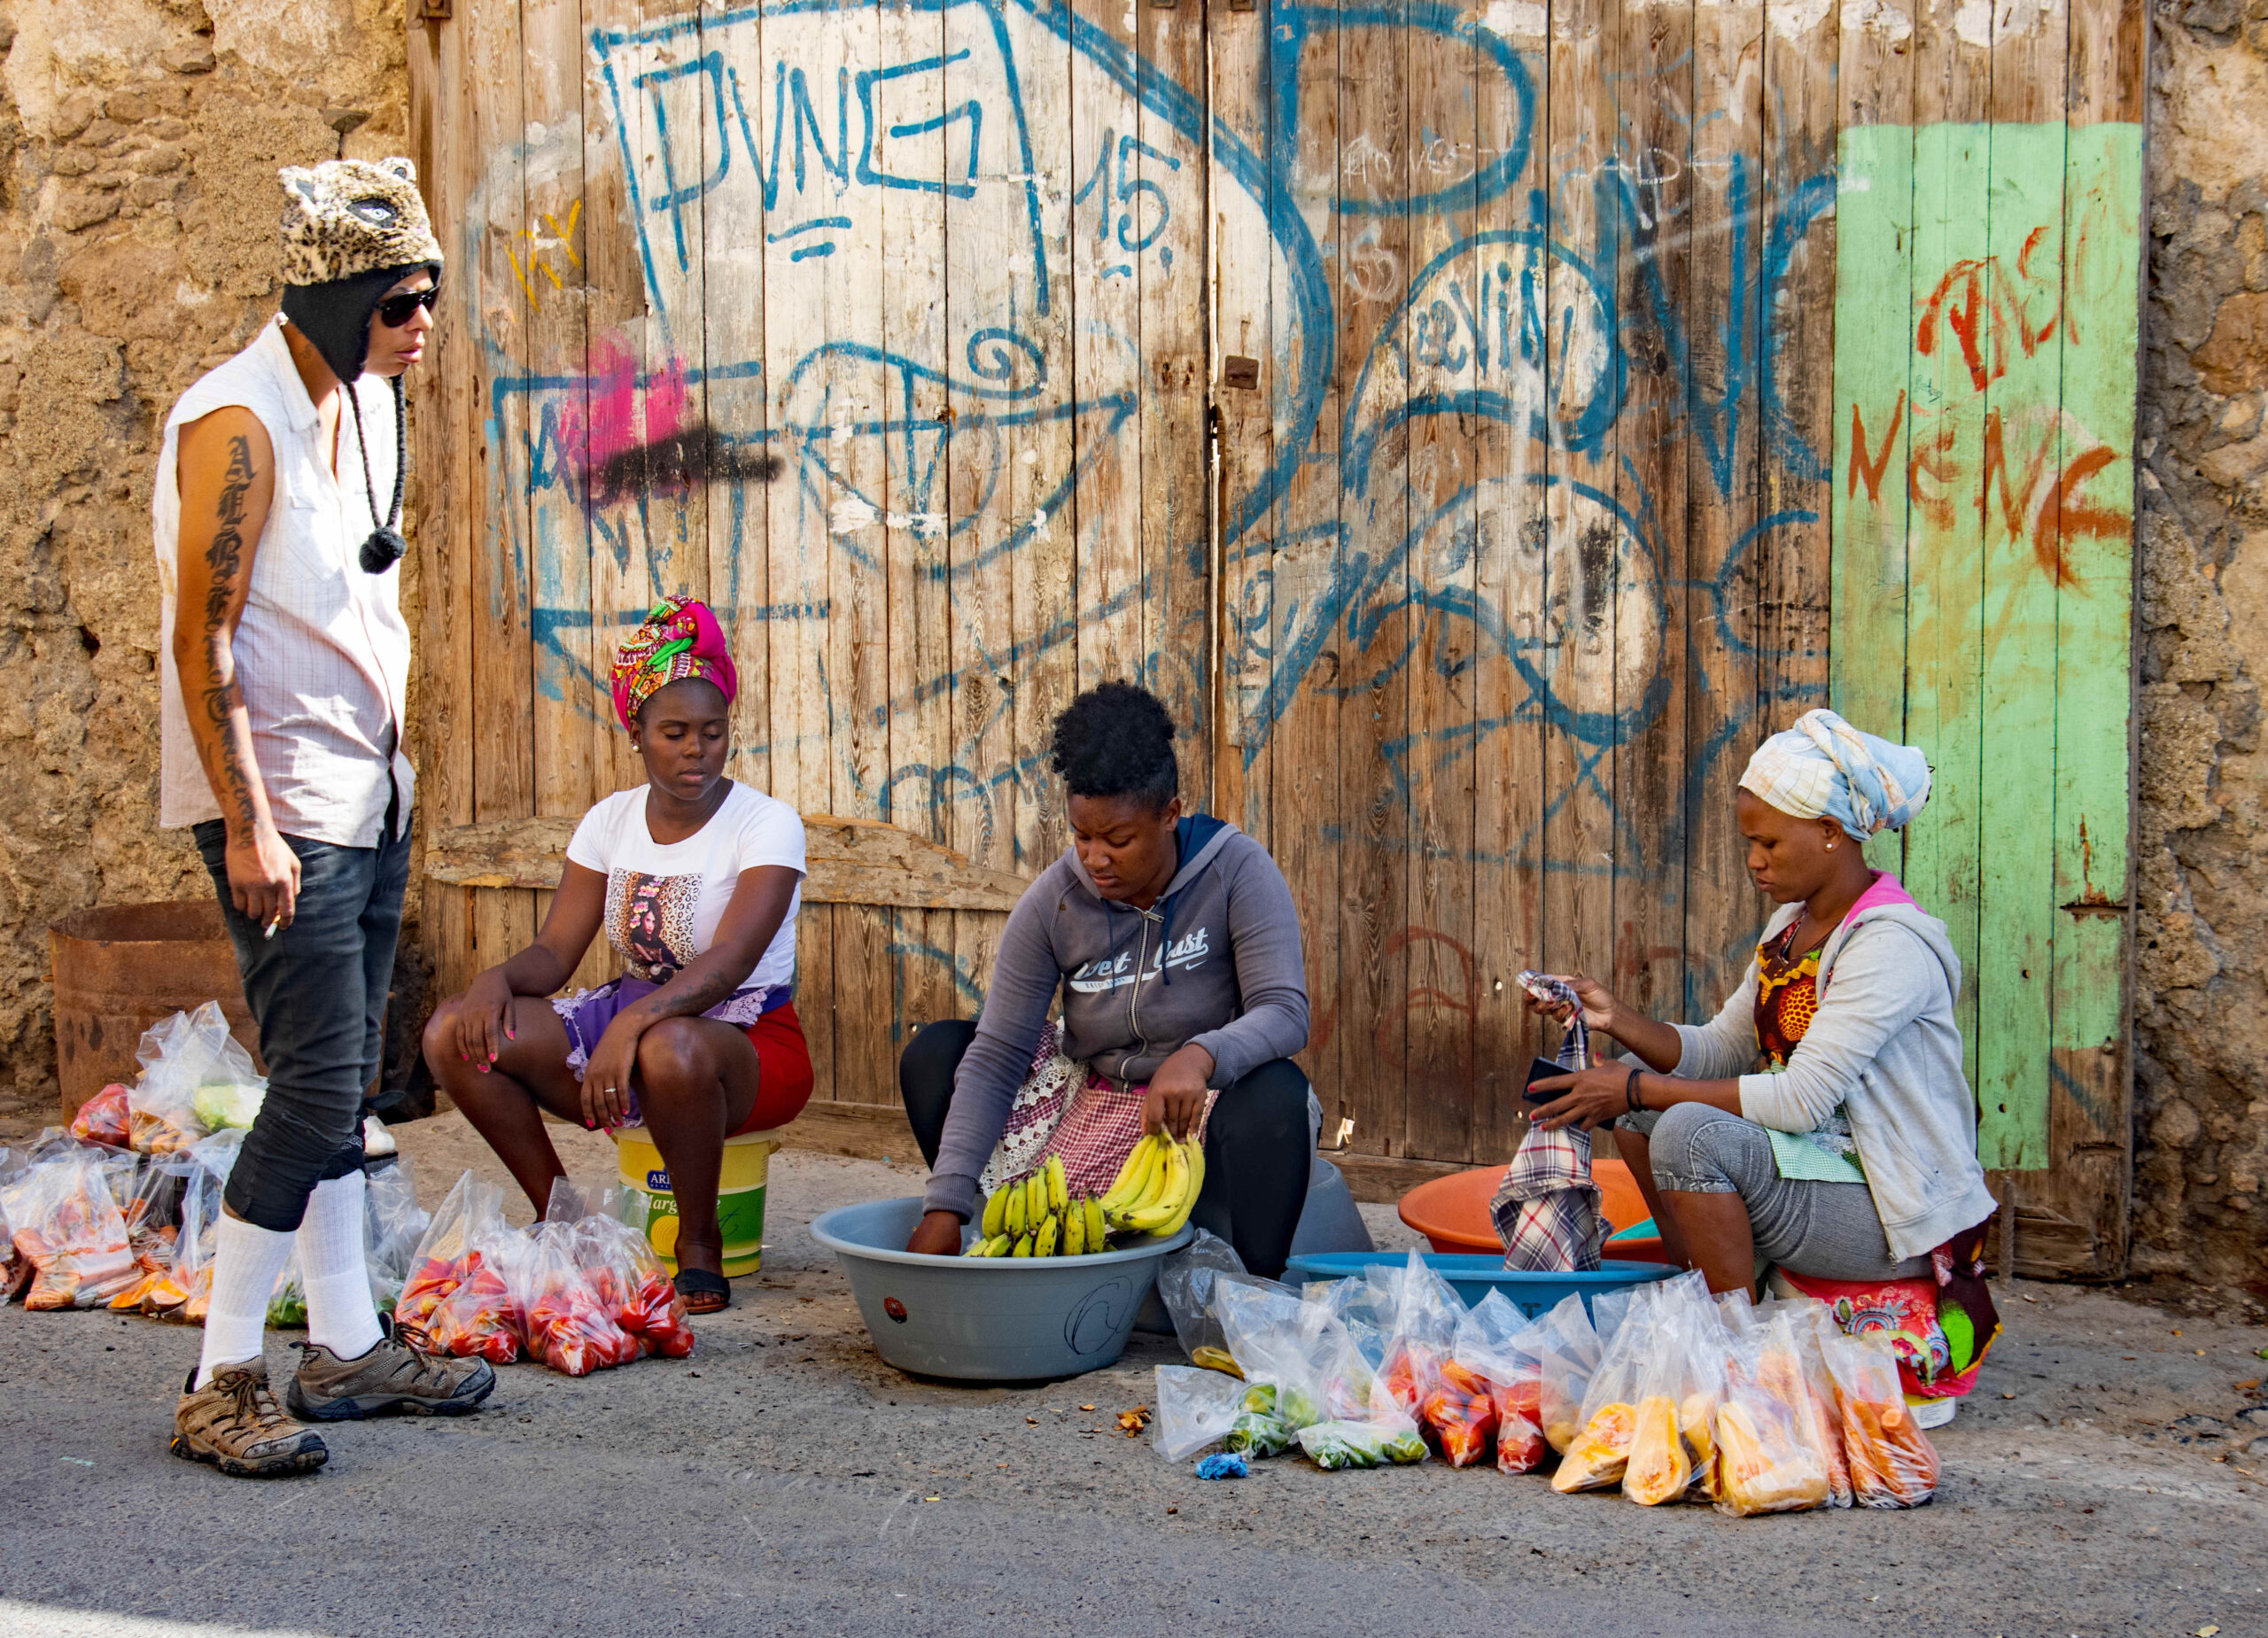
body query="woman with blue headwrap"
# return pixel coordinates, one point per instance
(1821, 1119)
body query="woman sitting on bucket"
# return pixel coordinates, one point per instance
(1850, 1156)
(697, 879)
(1175, 946)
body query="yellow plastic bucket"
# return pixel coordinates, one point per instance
(740, 1196)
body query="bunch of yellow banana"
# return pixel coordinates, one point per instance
(1156, 1188)
(1036, 1216)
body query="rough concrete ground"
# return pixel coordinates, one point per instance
(782, 1481)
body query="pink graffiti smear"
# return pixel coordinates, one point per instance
(620, 416)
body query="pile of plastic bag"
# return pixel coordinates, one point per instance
(579, 1292)
(1312, 1376)
(1658, 1391)
(89, 1225)
(196, 1079)
(68, 1233)
(120, 1210)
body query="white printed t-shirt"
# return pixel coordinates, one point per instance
(663, 904)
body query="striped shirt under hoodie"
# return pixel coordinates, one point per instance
(322, 651)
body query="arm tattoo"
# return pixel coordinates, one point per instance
(692, 993)
(225, 558)
(226, 554)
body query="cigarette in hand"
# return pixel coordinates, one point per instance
(272, 926)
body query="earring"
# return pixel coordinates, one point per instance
(1830, 847)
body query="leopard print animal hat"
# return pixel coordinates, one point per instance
(352, 230)
(348, 216)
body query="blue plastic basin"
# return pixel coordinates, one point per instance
(986, 1319)
(1473, 1276)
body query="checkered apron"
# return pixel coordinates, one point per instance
(1064, 1108)
(1546, 1209)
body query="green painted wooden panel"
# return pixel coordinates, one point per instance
(1945, 548)
(1988, 531)
(2094, 697)
(1873, 324)
(2009, 348)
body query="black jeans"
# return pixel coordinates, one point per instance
(1256, 1144)
(318, 993)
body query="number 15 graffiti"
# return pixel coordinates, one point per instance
(1144, 210)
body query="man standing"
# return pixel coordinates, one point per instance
(285, 660)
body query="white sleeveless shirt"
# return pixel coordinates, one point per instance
(322, 651)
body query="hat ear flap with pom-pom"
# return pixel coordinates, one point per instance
(385, 547)
(382, 550)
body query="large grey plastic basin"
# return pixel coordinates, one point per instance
(986, 1319)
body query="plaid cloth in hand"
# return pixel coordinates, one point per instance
(1546, 1209)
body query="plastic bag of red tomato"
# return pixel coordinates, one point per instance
(103, 1119)
(1499, 1348)
(646, 1300)
(579, 1293)
(440, 1262)
(459, 1294)
(625, 1276)
(1450, 1404)
(569, 1315)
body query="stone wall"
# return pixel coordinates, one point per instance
(139, 141)
(2201, 960)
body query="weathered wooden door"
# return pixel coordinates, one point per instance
(1482, 426)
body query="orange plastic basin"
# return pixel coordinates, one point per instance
(1452, 1211)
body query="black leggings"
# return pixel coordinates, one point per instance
(1256, 1144)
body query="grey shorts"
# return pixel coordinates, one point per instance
(1829, 1230)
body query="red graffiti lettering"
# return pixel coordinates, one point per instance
(2045, 505)
(1988, 313)
(1869, 469)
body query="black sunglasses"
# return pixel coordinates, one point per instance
(394, 311)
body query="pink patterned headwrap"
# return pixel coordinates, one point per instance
(680, 639)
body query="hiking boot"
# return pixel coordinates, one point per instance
(395, 1375)
(233, 1423)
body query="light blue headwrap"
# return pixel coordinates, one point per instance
(1824, 768)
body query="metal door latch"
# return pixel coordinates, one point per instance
(1239, 371)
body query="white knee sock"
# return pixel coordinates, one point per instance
(340, 1315)
(247, 1260)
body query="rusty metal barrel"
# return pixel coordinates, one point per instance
(119, 968)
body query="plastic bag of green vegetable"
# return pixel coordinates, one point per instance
(1258, 1430)
(224, 1104)
(1196, 1407)
(287, 1307)
(1332, 1445)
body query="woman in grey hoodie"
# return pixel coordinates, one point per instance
(1175, 946)
(1853, 1155)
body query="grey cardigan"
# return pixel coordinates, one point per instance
(1885, 1046)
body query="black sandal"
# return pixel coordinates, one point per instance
(703, 1292)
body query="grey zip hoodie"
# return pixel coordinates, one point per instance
(1215, 961)
(1885, 1045)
